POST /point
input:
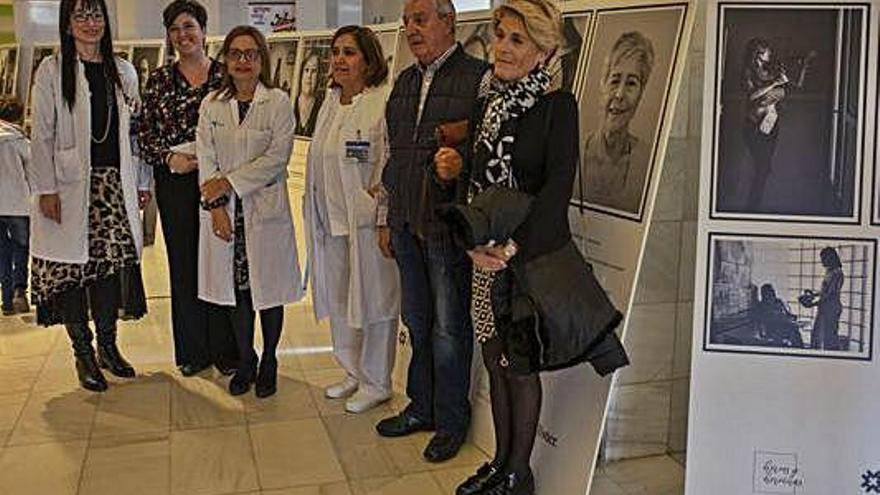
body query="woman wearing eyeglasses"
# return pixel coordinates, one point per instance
(86, 231)
(247, 249)
(202, 334)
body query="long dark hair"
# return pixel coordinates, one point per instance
(68, 48)
(228, 90)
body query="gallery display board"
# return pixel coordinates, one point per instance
(601, 39)
(784, 360)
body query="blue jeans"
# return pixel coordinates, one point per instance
(14, 246)
(435, 278)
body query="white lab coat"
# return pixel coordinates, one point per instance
(253, 157)
(374, 291)
(61, 161)
(15, 154)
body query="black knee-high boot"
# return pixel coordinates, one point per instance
(104, 302)
(72, 306)
(90, 376)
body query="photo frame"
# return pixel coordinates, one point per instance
(788, 124)
(790, 295)
(621, 130)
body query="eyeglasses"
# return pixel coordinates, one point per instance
(83, 16)
(249, 55)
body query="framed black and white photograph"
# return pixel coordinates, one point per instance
(799, 296)
(388, 42)
(39, 54)
(789, 119)
(575, 26)
(145, 58)
(475, 37)
(122, 50)
(282, 58)
(214, 46)
(623, 98)
(403, 57)
(312, 79)
(8, 69)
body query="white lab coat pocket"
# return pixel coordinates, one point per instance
(364, 209)
(271, 203)
(68, 166)
(257, 142)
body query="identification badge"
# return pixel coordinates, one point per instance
(359, 150)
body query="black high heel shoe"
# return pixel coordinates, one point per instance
(515, 483)
(267, 377)
(244, 377)
(487, 476)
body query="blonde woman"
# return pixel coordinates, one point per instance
(526, 139)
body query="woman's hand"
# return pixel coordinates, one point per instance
(182, 163)
(493, 258)
(221, 224)
(144, 198)
(448, 163)
(50, 207)
(213, 189)
(383, 235)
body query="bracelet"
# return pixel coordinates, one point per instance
(217, 203)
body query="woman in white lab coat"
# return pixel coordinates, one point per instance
(85, 226)
(247, 249)
(353, 284)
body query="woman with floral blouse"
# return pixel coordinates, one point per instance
(174, 92)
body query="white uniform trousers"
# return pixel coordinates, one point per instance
(366, 354)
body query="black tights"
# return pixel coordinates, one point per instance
(516, 409)
(243, 315)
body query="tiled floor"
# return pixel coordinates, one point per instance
(165, 434)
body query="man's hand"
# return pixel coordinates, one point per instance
(448, 163)
(383, 235)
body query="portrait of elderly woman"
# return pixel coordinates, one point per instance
(615, 160)
(625, 86)
(311, 85)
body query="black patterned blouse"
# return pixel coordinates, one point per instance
(171, 112)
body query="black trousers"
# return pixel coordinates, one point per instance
(202, 331)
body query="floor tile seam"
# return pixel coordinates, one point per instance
(82, 468)
(253, 450)
(30, 394)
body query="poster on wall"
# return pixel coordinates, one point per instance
(282, 58)
(575, 27)
(214, 46)
(273, 16)
(8, 69)
(311, 83)
(146, 59)
(789, 124)
(388, 41)
(797, 296)
(39, 53)
(623, 97)
(476, 38)
(785, 293)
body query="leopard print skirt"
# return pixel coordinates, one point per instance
(112, 253)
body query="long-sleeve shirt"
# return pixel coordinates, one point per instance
(171, 112)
